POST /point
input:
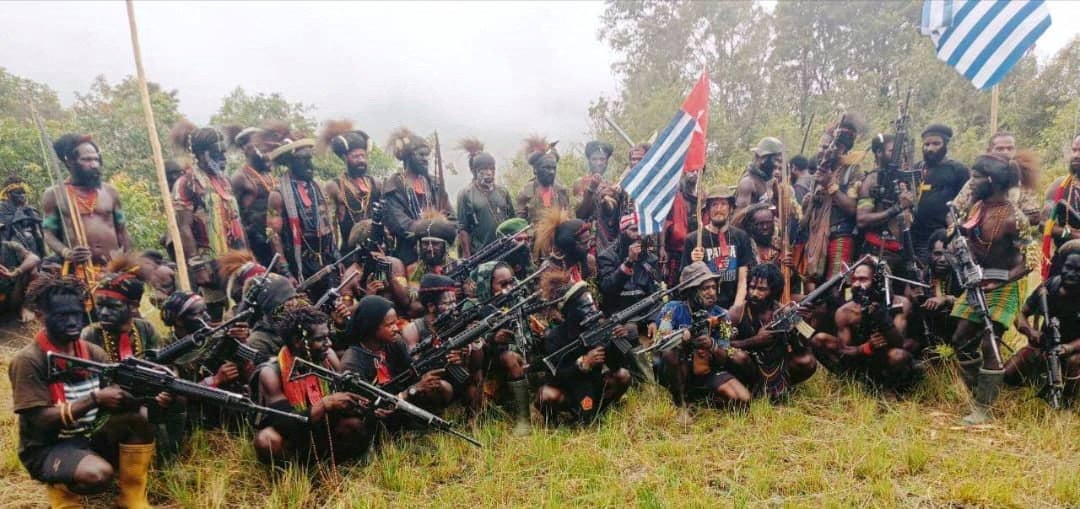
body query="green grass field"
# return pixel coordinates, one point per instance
(833, 445)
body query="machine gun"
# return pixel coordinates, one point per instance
(170, 353)
(458, 318)
(702, 324)
(787, 317)
(375, 268)
(498, 249)
(599, 331)
(893, 176)
(1051, 347)
(351, 382)
(435, 357)
(970, 276)
(145, 379)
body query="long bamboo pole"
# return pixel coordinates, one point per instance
(159, 161)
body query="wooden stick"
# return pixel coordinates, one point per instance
(159, 161)
(993, 110)
(700, 202)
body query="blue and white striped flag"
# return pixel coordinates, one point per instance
(652, 182)
(983, 40)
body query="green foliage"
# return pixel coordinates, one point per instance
(14, 92)
(247, 110)
(21, 153)
(572, 166)
(143, 208)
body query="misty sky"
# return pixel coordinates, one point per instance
(496, 70)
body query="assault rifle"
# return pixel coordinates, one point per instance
(599, 331)
(457, 319)
(435, 357)
(375, 268)
(251, 297)
(329, 299)
(170, 353)
(894, 175)
(787, 317)
(1051, 347)
(498, 249)
(351, 382)
(701, 325)
(970, 275)
(145, 379)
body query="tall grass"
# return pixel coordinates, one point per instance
(833, 444)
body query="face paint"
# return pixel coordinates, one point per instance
(1070, 271)
(112, 313)
(301, 165)
(545, 171)
(65, 318)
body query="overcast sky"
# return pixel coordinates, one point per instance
(497, 70)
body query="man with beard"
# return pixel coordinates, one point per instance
(936, 323)
(563, 242)
(21, 245)
(252, 185)
(541, 192)
(757, 183)
(206, 210)
(433, 237)
(681, 220)
(580, 385)
(879, 214)
(697, 369)
(767, 362)
(483, 205)
(353, 193)
(727, 250)
(600, 203)
(827, 227)
(870, 340)
(410, 194)
(942, 179)
(60, 443)
(334, 431)
(97, 207)
(758, 220)
(1062, 206)
(300, 217)
(379, 355)
(993, 235)
(627, 272)
(1028, 366)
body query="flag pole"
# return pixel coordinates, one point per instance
(159, 161)
(993, 110)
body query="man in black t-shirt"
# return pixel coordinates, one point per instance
(942, 179)
(727, 250)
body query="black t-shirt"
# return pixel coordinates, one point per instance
(940, 185)
(1066, 310)
(724, 257)
(393, 360)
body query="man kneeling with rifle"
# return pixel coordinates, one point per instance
(334, 430)
(65, 438)
(694, 364)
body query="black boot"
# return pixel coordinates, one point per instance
(987, 389)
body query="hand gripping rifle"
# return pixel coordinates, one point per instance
(375, 268)
(599, 331)
(251, 297)
(170, 353)
(970, 275)
(1051, 347)
(457, 319)
(498, 249)
(145, 379)
(435, 357)
(787, 317)
(327, 301)
(702, 325)
(351, 382)
(894, 175)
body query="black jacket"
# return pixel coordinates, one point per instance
(620, 289)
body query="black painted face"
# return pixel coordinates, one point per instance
(85, 166)
(598, 162)
(763, 226)
(545, 171)
(213, 161)
(582, 242)
(300, 165)
(113, 313)
(486, 177)
(64, 319)
(256, 158)
(433, 252)
(356, 162)
(17, 197)
(195, 316)
(418, 160)
(318, 343)
(1070, 271)
(981, 187)
(938, 261)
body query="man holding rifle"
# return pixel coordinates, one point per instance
(60, 443)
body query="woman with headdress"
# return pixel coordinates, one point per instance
(206, 210)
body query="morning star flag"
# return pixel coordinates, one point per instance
(652, 182)
(983, 40)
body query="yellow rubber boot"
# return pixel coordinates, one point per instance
(135, 462)
(60, 497)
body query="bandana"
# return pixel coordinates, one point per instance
(176, 305)
(124, 286)
(435, 283)
(628, 220)
(481, 275)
